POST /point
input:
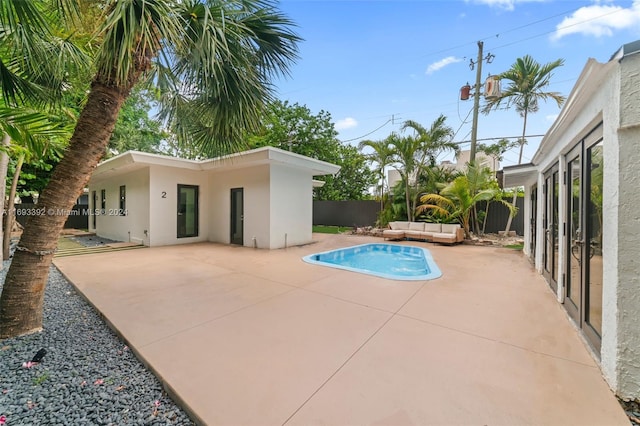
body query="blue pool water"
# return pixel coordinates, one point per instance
(391, 261)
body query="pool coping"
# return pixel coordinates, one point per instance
(434, 273)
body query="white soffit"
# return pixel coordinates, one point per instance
(520, 175)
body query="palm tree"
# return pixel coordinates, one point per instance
(382, 155)
(436, 139)
(34, 136)
(212, 61)
(528, 81)
(413, 153)
(31, 52)
(405, 152)
(458, 198)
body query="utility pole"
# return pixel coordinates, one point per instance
(476, 104)
(476, 96)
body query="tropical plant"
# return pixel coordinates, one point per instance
(457, 199)
(528, 81)
(382, 156)
(135, 129)
(412, 153)
(212, 62)
(295, 128)
(33, 55)
(33, 136)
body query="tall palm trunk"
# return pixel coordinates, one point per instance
(4, 165)
(515, 192)
(407, 195)
(382, 190)
(23, 292)
(10, 214)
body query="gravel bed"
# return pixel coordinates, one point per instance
(91, 240)
(87, 377)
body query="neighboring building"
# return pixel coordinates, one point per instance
(259, 198)
(583, 206)
(393, 177)
(463, 158)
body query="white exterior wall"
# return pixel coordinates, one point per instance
(291, 207)
(130, 227)
(613, 101)
(621, 296)
(163, 204)
(256, 193)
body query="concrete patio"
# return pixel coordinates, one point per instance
(255, 337)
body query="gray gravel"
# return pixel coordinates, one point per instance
(87, 377)
(91, 240)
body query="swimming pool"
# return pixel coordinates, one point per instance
(396, 262)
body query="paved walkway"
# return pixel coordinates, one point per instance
(256, 337)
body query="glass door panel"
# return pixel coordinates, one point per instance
(555, 228)
(575, 237)
(533, 223)
(593, 314)
(237, 216)
(187, 211)
(550, 223)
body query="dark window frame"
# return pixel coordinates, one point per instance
(123, 200)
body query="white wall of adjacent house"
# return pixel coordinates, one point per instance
(163, 204)
(291, 207)
(128, 226)
(256, 195)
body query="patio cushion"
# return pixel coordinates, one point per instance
(399, 225)
(416, 226)
(395, 234)
(450, 228)
(432, 227)
(444, 237)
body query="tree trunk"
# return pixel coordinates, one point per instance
(4, 166)
(515, 194)
(486, 215)
(407, 196)
(382, 191)
(476, 224)
(23, 293)
(10, 214)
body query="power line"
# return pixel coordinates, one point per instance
(499, 137)
(364, 136)
(501, 33)
(560, 28)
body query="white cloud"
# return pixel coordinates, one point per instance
(551, 117)
(346, 123)
(599, 20)
(441, 64)
(503, 4)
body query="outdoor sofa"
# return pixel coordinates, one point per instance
(445, 233)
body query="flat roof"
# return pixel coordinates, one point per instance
(133, 160)
(519, 175)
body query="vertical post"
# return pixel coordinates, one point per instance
(476, 105)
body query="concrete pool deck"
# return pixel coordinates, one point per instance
(255, 337)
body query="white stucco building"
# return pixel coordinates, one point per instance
(463, 157)
(260, 198)
(583, 206)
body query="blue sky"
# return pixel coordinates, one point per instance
(374, 64)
